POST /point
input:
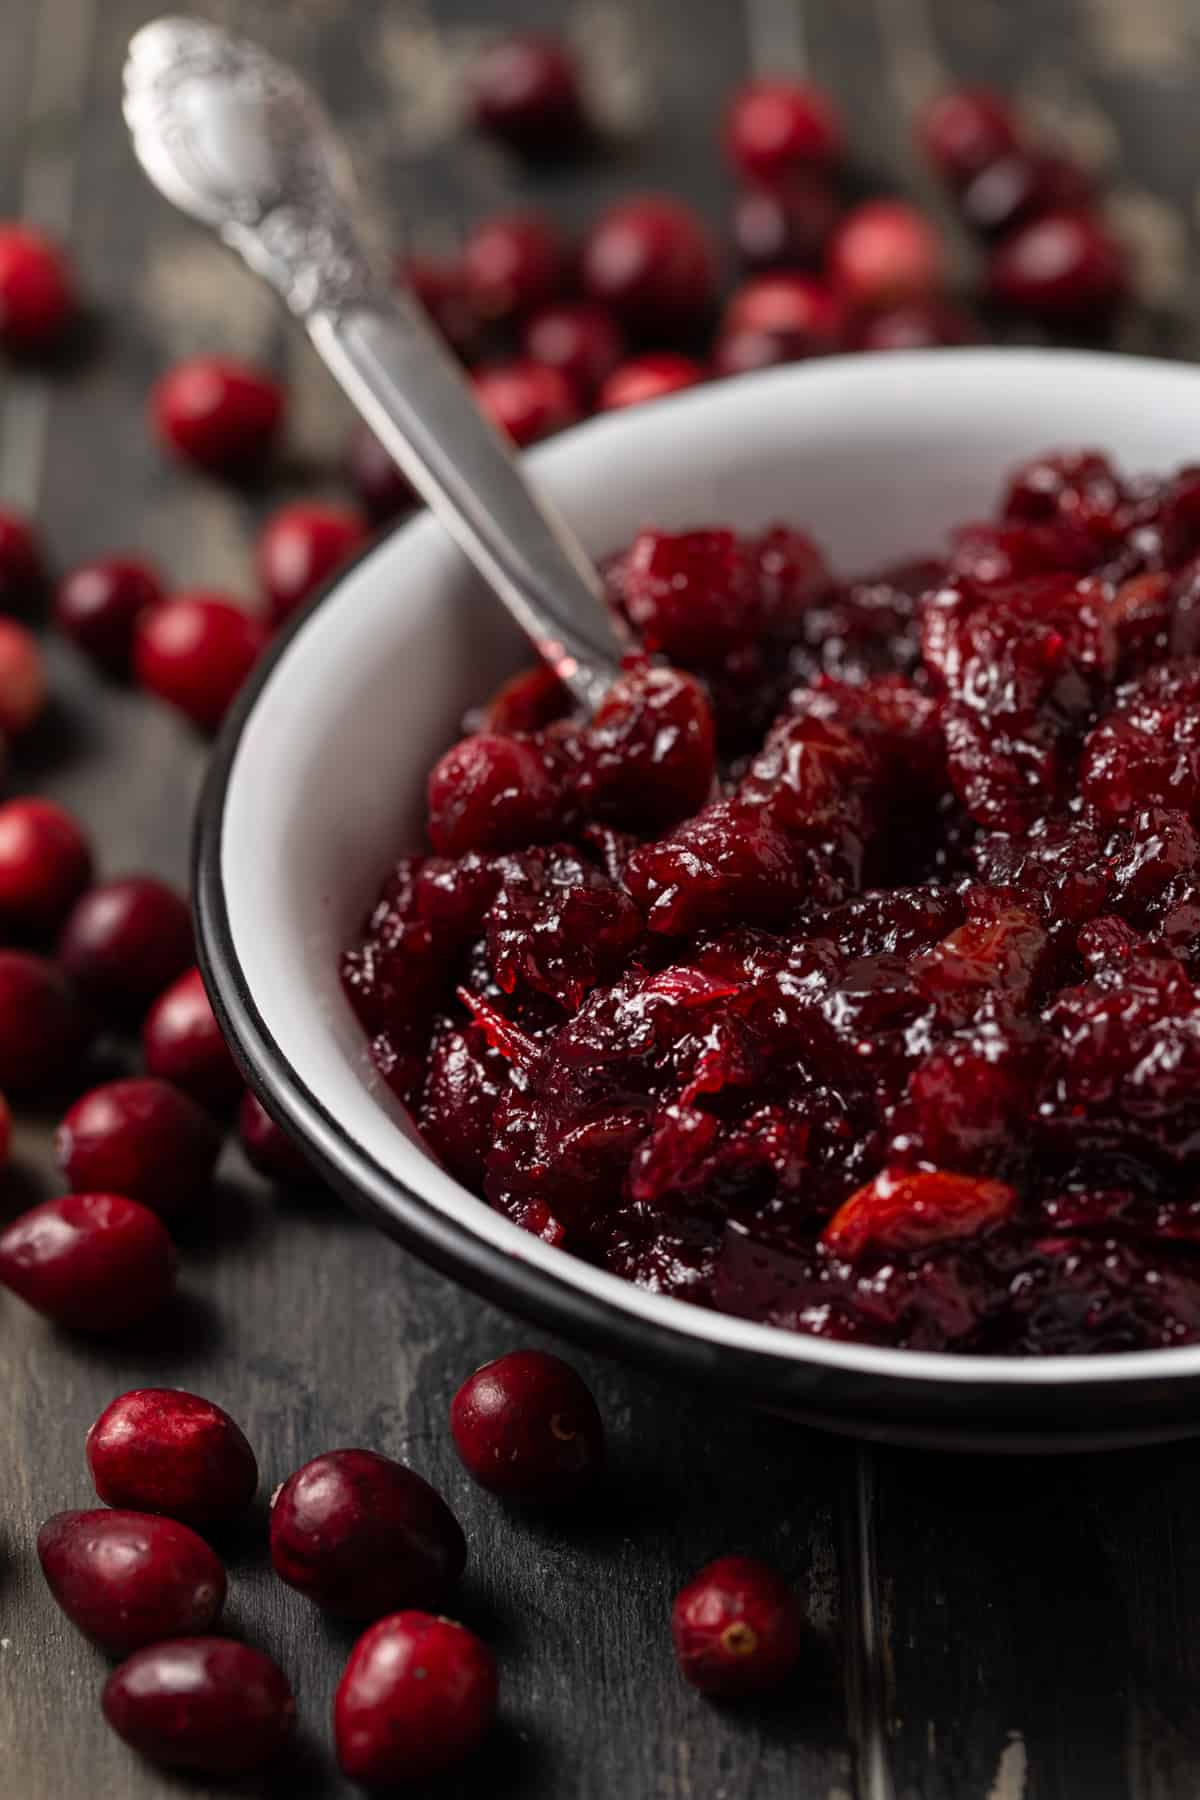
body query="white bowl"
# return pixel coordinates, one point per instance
(319, 781)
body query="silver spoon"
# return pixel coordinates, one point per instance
(237, 140)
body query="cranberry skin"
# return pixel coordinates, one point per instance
(513, 263)
(22, 679)
(1065, 266)
(966, 130)
(208, 1704)
(268, 1147)
(738, 1628)
(220, 415)
(129, 1578)
(775, 126)
(775, 319)
(125, 941)
(299, 547)
(1020, 187)
(89, 1262)
(582, 341)
(490, 793)
(525, 92)
(417, 1695)
(785, 224)
(920, 325)
(361, 1535)
(651, 261)
(383, 490)
(885, 253)
(194, 651)
(527, 1428)
(45, 864)
(650, 377)
(526, 400)
(648, 755)
(98, 605)
(38, 301)
(162, 1450)
(141, 1138)
(182, 1043)
(41, 1027)
(22, 570)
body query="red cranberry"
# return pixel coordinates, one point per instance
(38, 301)
(651, 261)
(129, 1578)
(41, 1028)
(738, 1628)
(526, 400)
(267, 1145)
(647, 758)
(965, 131)
(300, 547)
(161, 1450)
(525, 91)
(785, 224)
(5, 1131)
(194, 651)
(22, 570)
(45, 864)
(1020, 187)
(490, 793)
(919, 325)
(649, 377)
(182, 1043)
(220, 414)
(441, 287)
(1065, 266)
(361, 1534)
(417, 1695)
(774, 126)
(775, 319)
(22, 679)
(903, 1209)
(885, 253)
(527, 701)
(581, 341)
(90, 1262)
(514, 263)
(99, 604)
(383, 489)
(208, 1704)
(141, 1138)
(527, 1427)
(125, 941)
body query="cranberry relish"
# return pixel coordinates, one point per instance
(842, 975)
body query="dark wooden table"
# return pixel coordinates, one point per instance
(982, 1631)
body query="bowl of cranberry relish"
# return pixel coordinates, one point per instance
(823, 1017)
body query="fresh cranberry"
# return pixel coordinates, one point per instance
(490, 793)
(650, 260)
(161, 1450)
(787, 223)
(384, 491)
(99, 604)
(774, 126)
(141, 1138)
(38, 301)
(527, 1427)
(207, 1704)
(183, 1044)
(526, 400)
(919, 325)
(23, 687)
(1021, 187)
(775, 319)
(885, 253)
(649, 377)
(525, 91)
(194, 651)
(417, 1695)
(441, 288)
(580, 340)
(514, 263)
(219, 414)
(22, 570)
(42, 1029)
(738, 1628)
(647, 758)
(967, 130)
(1064, 266)
(268, 1147)
(90, 1262)
(129, 1578)
(125, 941)
(45, 864)
(300, 547)
(361, 1534)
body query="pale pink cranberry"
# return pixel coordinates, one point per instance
(774, 126)
(22, 567)
(195, 651)
(162, 1450)
(383, 490)
(23, 687)
(219, 414)
(38, 299)
(885, 253)
(89, 1262)
(490, 793)
(42, 1029)
(45, 864)
(124, 941)
(182, 1043)
(787, 223)
(514, 263)
(1064, 267)
(300, 547)
(649, 377)
(417, 1695)
(127, 1578)
(525, 91)
(142, 1138)
(582, 341)
(209, 1705)
(99, 604)
(267, 1145)
(650, 260)
(776, 319)
(966, 130)
(441, 287)
(526, 400)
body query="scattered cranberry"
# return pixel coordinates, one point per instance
(1063, 267)
(99, 604)
(361, 1534)
(125, 941)
(268, 1147)
(417, 1695)
(441, 287)
(45, 864)
(141, 1138)
(161, 1450)
(38, 301)
(967, 130)
(775, 319)
(182, 1043)
(514, 263)
(194, 651)
(785, 224)
(525, 91)
(42, 1030)
(526, 400)
(22, 570)
(22, 679)
(650, 260)
(776, 126)
(527, 1427)
(383, 489)
(738, 1628)
(885, 253)
(89, 1262)
(490, 793)
(129, 1578)
(220, 414)
(580, 340)
(920, 325)
(207, 1704)
(300, 547)
(1021, 187)
(649, 377)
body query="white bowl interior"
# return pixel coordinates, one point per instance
(878, 457)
